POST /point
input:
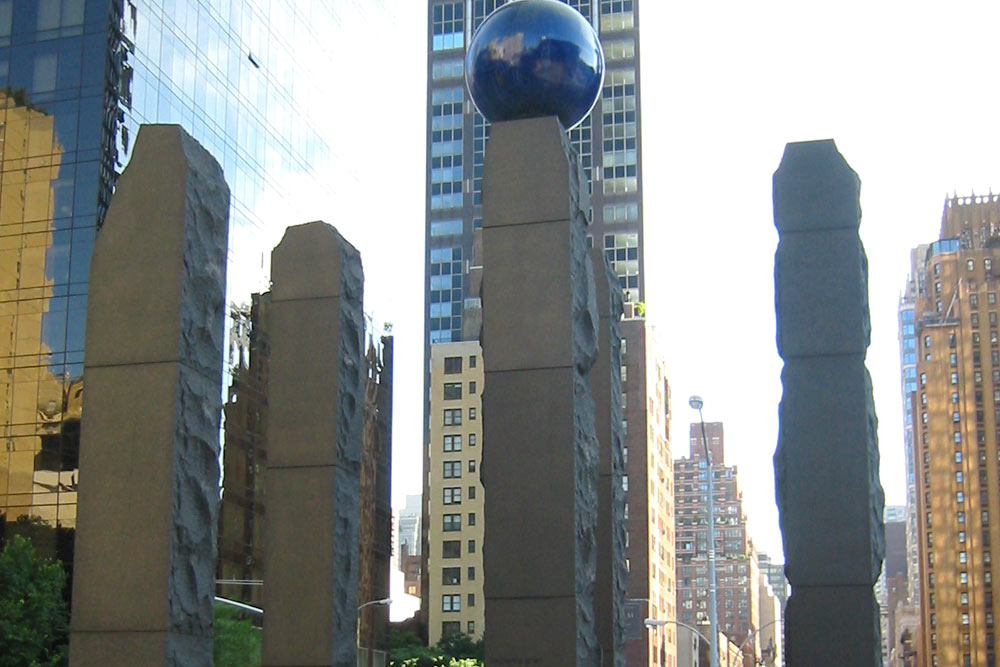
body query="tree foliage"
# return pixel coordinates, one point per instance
(458, 650)
(237, 641)
(34, 616)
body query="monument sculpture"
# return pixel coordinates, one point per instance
(316, 402)
(533, 69)
(827, 463)
(144, 569)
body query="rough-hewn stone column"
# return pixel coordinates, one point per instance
(540, 453)
(826, 464)
(606, 385)
(314, 449)
(144, 569)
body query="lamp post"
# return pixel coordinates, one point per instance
(370, 603)
(713, 612)
(656, 623)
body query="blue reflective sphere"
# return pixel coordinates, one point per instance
(534, 58)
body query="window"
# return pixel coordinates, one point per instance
(472, 465)
(448, 26)
(472, 440)
(451, 576)
(974, 300)
(958, 436)
(472, 493)
(452, 495)
(471, 573)
(451, 549)
(970, 265)
(988, 265)
(470, 628)
(472, 414)
(447, 69)
(472, 387)
(452, 391)
(452, 469)
(960, 498)
(453, 417)
(472, 361)
(954, 377)
(472, 546)
(472, 518)
(452, 365)
(958, 477)
(471, 600)
(624, 373)
(958, 457)
(453, 443)
(451, 603)
(452, 522)
(962, 558)
(923, 379)
(991, 298)
(449, 628)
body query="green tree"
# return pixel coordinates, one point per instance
(34, 616)
(237, 641)
(459, 650)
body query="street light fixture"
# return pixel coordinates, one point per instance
(697, 403)
(370, 603)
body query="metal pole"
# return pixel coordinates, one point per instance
(713, 611)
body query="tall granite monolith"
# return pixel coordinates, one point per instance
(606, 385)
(313, 474)
(826, 468)
(540, 451)
(144, 567)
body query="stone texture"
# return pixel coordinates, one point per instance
(314, 449)
(149, 476)
(606, 385)
(539, 343)
(815, 617)
(829, 498)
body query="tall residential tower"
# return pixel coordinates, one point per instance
(956, 409)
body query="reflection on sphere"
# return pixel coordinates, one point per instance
(533, 58)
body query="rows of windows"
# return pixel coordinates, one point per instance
(448, 26)
(620, 143)
(622, 250)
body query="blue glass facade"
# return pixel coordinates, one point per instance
(77, 78)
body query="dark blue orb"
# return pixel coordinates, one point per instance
(533, 58)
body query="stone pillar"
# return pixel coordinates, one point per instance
(540, 453)
(144, 569)
(606, 385)
(826, 464)
(314, 450)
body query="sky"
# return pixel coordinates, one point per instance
(907, 90)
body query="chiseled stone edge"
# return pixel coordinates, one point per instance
(350, 387)
(194, 503)
(619, 571)
(587, 454)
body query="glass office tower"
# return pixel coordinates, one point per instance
(77, 77)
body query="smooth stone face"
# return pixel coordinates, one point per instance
(535, 58)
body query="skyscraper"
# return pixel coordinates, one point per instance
(908, 385)
(956, 409)
(737, 569)
(77, 77)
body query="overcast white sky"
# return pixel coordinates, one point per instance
(908, 90)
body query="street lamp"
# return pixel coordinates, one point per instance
(652, 623)
(370, 603)
(756, 632)
(656, 623)
(696, 403)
